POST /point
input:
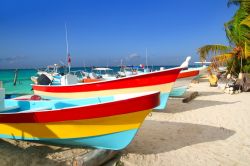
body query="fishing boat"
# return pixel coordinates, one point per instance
(183, 80)
(73, 77)
(109, 122)
(202, 66)
(52, 72)
(185, 77)
(154, 81)
(130, 70)
(103, 73)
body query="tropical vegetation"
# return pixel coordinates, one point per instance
(236, 56)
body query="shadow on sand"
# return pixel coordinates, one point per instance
(158, 136)
(176, 105)
(13, 154)
(210, 93)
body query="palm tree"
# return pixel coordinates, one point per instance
(238, 34)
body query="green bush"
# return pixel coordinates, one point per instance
(246, 66)
(234, 65)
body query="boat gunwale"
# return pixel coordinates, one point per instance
(33, 116)
(120, 78)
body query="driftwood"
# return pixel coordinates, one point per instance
(95, 157)
(190, 96)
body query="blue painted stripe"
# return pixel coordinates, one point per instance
(54, 104)
(114, 141)
(178, 91)
(163, 101)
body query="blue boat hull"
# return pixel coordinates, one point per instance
(163, 101)
(114, 141)
(178, 91)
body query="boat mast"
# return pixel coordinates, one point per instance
(84, 66)
(67, 45)
(147, 58)
(107, 63)
(121, 68)
(121, 62)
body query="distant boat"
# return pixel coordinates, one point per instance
(202, 62)
(130, 70)
(157, 81)
(109, 122)
(56, 78)
(51, 71)
(185, 77)
(103, 73)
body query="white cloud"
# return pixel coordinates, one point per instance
(133, 56)
(12, 59)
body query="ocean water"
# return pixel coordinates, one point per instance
(23, 83)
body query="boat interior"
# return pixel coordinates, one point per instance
(27, 105)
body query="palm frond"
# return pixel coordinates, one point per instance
(233, 2)
(246, 21)
(245, 28)
(247, 50)
(237, 31)
(243, 3)
(221, 60)
(230, 33)
(207, 50)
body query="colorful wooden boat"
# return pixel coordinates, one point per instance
(103, 122)
(183, 80)
(155, 81)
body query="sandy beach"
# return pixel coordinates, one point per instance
(213, 129)
(79, 81)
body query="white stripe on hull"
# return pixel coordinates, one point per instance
(183, 81)
(163, 88)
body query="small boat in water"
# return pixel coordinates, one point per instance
(109, 122)
(154, 81)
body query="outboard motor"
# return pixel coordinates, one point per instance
(69, 79)
(43, 80)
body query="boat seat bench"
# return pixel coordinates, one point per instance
(38, 109)
(10, 109)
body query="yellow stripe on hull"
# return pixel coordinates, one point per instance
(162, 88)
(75, 129)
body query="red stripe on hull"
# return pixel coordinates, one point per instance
(186, 74)
(154, 78)
(85, 112)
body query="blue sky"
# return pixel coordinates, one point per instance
(102, 32)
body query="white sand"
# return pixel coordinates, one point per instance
(213, 129)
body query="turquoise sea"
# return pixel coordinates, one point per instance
(23, 84)
(23, 81)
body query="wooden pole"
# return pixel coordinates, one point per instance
(15, 77)
(1, 84)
